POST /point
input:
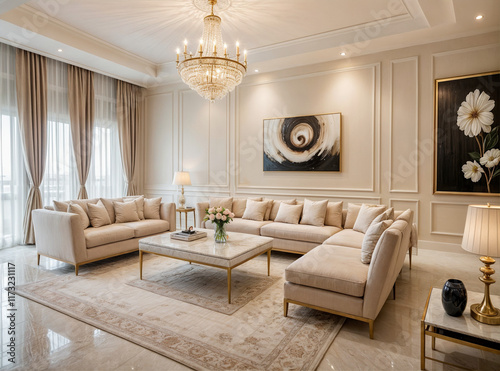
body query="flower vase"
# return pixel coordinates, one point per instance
(220, 234)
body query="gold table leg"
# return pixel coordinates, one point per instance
(422, 345)
(269, 262)
(229, 285)
(140, 264)
(186, 219)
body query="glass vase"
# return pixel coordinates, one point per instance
(220, 234)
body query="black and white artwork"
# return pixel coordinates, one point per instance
(303, 143)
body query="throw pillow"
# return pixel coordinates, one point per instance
(372, 236)
(98, 215)
(239, 205)
(314, 212)
(60, 206)
(255, 210)
(139, 202)
(108, 204)
(334, 214)
(77, 209)
(390, 213)
(366, 215)
(352, 214)
(406, 216)
(269, 207)
(276, 206)
(152, 208)
(125, 212)
(288, 213)
(226, 203)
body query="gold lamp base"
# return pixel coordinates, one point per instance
(485, 312)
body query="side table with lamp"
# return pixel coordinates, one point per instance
(476, 327)
(182, 178)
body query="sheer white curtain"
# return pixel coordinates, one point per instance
(60, 181)
(106, 175)
(13, 181)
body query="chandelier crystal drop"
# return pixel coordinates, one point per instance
(211, 72)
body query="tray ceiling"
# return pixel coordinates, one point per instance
(136, 40)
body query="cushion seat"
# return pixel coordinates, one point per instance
(348, 238)
(242, 226)
(147, 227)
(299, 232)
(333, 268)
(107, 234)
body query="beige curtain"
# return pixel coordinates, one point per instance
(129, 112)
(81, 113)
(31, 87)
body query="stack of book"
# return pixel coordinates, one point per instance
(183, 236)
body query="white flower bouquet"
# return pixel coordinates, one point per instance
(475, 119)
(220, 216)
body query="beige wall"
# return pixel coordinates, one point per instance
(386, 101)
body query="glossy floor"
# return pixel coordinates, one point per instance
(47, 339)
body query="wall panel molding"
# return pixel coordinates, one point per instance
(460, 210)
(396, 93)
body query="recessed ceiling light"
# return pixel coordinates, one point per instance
(59, 50)
(256, 70)
(478, 17)
(342, 54)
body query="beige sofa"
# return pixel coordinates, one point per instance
(332, 278)
(61, 236)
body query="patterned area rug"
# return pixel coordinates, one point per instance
(255, 337)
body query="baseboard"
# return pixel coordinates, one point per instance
(441, 246)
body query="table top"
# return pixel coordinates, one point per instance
(465, 324)
(184, 209)
(238, 244)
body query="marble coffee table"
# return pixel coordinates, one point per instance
(239, 249)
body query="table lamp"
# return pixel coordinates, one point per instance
(182, 178)
(482, 236)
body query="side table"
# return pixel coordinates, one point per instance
(186, 210)
(461, 330)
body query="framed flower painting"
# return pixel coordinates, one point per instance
(302, 143)
(467, 125)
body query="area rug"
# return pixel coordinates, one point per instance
(255, 337)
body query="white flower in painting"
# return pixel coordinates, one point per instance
(474, 114)
(491, 158)
(472, 171)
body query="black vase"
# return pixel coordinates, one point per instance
(454, 297)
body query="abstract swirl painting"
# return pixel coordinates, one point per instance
(303, 143)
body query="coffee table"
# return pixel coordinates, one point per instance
(239, 249)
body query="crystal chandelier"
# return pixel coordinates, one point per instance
(212, 73)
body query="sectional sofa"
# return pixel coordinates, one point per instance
(106, 228)
(351, 258)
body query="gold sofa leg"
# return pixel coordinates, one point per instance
(370, 323)
(411, 253)
(37, 259)
(76, 269)
(285, 307)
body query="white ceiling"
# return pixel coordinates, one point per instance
(136, 40)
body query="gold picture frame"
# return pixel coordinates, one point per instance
(460, 144)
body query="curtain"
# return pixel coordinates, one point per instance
(81, 112)
(129, 108)
(13, 181)
(60, 181)
(106, 175)
(31, 89)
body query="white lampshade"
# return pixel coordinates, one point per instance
(181, 178)
(482, 230)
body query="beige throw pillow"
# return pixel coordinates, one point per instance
(334, 214)
(352, 214)
(255, 210)
(366, 215)
(125, 212)
(225, 202)
(108, 204)
(152, 208)
(276, 207)
(372, 235)
(98, 215)
(60, 206)
(314, 212)
(139, 202)
(405, 215)
(239, 205)
(289, 214)
(269, 207)
(77, 209)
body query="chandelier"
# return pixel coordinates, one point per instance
(211, 72)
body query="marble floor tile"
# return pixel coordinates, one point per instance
(47, 339)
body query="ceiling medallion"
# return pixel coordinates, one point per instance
(211, 72)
